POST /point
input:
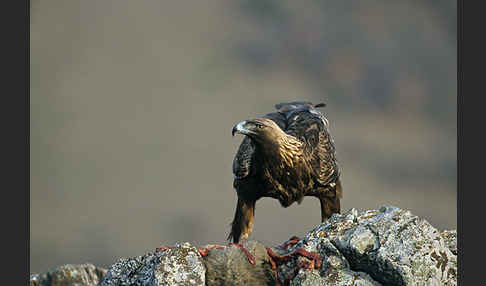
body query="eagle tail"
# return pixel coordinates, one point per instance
(293, 105)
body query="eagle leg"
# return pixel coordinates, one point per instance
(329, 205)
(242, 224)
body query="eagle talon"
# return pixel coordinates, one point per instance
(274, 268)
(205, 251)
(163, 248)
(315, 262)
(290, 243)
(305, 265)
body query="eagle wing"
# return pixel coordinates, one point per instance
(242, 163)
(302, 120)
(310, 126)
(245, 161)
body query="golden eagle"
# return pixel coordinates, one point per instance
(286, 155)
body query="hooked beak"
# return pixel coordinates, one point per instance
(240, 128)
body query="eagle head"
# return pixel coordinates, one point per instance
(260, 130)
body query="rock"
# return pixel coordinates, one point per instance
(230, 266)
(333, 277)
(181, 265)
(72, 275)
(389, 246)
(450, 238)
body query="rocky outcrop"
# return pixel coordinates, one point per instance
(181, 265)
(388, 246)
(450, 238)
(391, 245)
(72, 275)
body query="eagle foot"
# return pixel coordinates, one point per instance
(205, 251)
(315, 260)
(163, 248)
(290, 243)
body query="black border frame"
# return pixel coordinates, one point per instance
(470, 170)
(15, 115)
(460, 272)
(15, 119)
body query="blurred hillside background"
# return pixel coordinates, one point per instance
(132, 105)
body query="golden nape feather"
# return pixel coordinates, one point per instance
(286, 155)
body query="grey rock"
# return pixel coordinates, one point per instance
(335, 268)
(388, 246)
(72, 275)
(230, 266)
(333, 277)
(450, 238)
(181, 265)
(391, 245)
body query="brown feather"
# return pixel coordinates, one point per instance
(285, 155)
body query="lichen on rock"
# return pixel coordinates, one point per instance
(181, 265)
(73, 275)
(391, 245)
(450, 238)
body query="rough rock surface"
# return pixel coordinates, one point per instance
(231, 264)
(181, 265)
(389, 246)
(73, 275)
(450, 238)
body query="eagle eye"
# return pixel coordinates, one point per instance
(260, 126)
